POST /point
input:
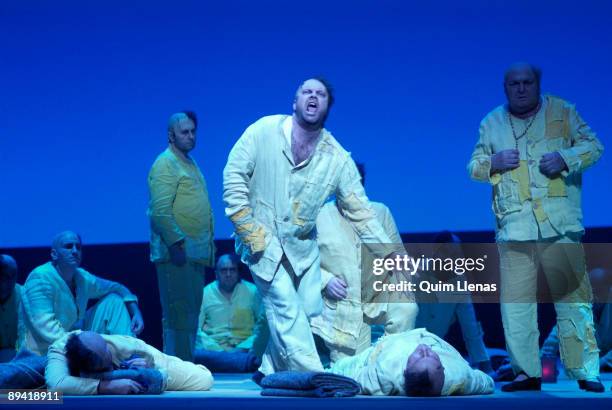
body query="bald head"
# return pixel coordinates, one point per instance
(522, 88)
(66, 250)
(182, 131)
(227, 272)
(61, 237)
(523, 66)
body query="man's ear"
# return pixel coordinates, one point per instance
(293, 105)
(170, 137)
(53, 255)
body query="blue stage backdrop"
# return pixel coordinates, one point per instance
(87, 87)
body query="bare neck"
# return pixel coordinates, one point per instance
(527, 114)
(66, 272)
(303, 133)
(182, 155)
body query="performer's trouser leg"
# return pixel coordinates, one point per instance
(400, 317)
(180, 291)
(519, 311)
(289, 301)
(109, 316)
(564, 264)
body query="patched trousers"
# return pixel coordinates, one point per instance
(563, 263)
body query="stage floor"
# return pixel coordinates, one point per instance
(237, 391)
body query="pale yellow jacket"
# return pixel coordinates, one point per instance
(50, 308)
(340, 249)
(228, 324)
(380, 369)
(274, 203)
(178, 374)
(179, 209)
(526, 203)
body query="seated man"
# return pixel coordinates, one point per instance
(81, 352)
(55, 298)
(413, 363)
(10, 306)
(456, 308)
(344, 324)
(230, 310)
(602, 319)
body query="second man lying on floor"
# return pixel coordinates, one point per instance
(413, 363)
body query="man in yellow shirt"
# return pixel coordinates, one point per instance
(533, 151)
(181, 234)
(230, 310)
(10, 307)
(89, 352)
(55, 298)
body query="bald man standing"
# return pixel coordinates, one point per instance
(533, 151)
(56, 294)
(182, 243)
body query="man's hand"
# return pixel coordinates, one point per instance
(552, 164)
(504, 160)
(137, 363)
(137, 324)
(177, 254)
(336, 289)
(120, 386)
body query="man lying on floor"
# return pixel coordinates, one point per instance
(414, 363)
(80, 364)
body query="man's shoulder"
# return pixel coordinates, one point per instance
(42, 272)
(495, 115)
(330, 143)
(557, 102)
(250, 287)
(380, 208)
(268, 122)
(165, 158)
(212, 286)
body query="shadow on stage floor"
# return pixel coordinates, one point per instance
(239, 392)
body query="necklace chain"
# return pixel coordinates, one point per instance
(524, 132)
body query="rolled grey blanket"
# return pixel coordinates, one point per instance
(309, 384)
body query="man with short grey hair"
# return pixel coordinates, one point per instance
(181, 234)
